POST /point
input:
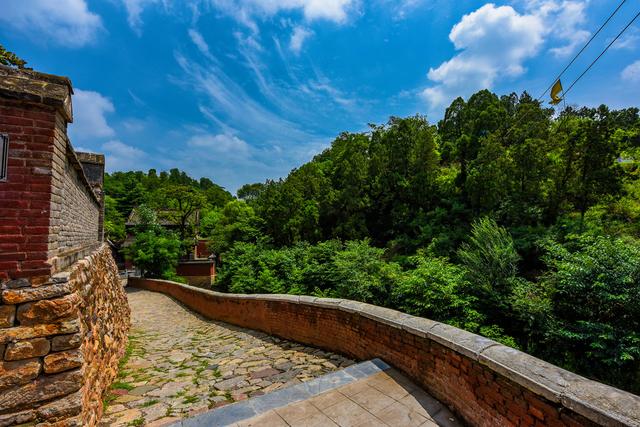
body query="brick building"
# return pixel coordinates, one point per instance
(51, 211)
(63, 312)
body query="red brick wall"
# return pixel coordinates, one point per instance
(49, 215)
(25, 198)
(202, 249)
(198, 273)
(206, 268)
(477, 393)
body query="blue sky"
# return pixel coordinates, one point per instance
(241, 91)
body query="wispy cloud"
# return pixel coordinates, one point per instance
(231, 103)
(247, 11)
(135, 8)
(298, 37)
(629, 40)
(200, 43)
(65, 22)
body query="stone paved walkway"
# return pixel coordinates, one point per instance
(180, 364)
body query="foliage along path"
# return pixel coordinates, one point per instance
(180, 364)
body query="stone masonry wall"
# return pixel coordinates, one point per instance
(483, 382)
(60, 342)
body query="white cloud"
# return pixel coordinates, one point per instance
(123, 157)
(632, 72)
(67, 22)
(569, 16)
(228, 145)
(493, 42)
(298, 37)
(89, 115)
(134, 11)
(628, 40)
(564, 21)
(200, 42)
(332, 10)
(402, 8)
(245, 11)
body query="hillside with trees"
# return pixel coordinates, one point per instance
(502, 219)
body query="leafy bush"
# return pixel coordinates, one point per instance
(596, 305)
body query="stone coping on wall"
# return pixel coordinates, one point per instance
(40, 88)
(597, 402)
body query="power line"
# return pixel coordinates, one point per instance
(604, 24)
(583, 48)
(602, 53)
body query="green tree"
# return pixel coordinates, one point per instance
(154, 250)
(237, 222)
(179, 205)
(491, 262)
(436, 289)
(250, 192)
(362, 274)
(596, 304)
(114, 224)
(10, 59)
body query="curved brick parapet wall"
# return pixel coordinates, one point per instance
(483, 382)
(60, 343)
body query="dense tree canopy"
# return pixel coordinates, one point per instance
(503, 218)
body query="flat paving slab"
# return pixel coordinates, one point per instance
(180, 364)
(367, 394)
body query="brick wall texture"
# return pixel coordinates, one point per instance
(75, 211)
(60, 343)
(477, 392)
(25, 199)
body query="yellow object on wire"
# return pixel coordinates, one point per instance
(555, 92)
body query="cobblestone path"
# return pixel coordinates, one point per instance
(180, 364)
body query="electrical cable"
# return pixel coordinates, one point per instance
(583, 48)
(602, 53)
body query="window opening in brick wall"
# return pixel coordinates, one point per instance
(4, 156)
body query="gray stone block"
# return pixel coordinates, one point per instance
(365, 369)
(328, 382)
(418, 325)
(384, 315)
(601, 403)
(221, 417)
(540, 377)
(463, 342)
